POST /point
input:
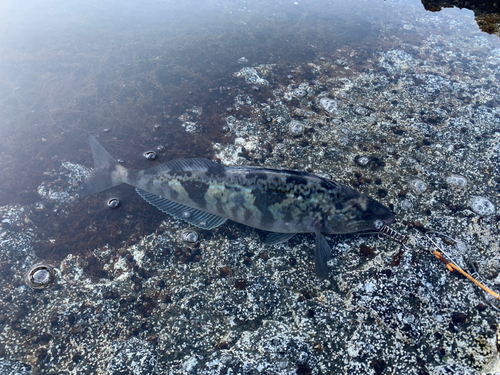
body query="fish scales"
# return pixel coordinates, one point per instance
(275, 200)
(285, 202)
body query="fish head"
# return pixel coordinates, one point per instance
(359, 213)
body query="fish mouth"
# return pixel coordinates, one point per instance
(390, 220)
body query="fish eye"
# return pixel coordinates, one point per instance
(367, 216)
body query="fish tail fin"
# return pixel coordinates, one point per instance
(103, 175)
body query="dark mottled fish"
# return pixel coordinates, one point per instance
(206, 194)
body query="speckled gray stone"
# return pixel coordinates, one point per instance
(257, 300)
(134, 356)
(8, 367)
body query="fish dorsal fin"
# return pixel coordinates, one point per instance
(198, 218)
(185, 165)
(277, 238)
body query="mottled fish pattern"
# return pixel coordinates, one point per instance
(205, 193)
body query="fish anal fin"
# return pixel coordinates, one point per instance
(277, 238)
(198, 218)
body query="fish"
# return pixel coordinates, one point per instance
(284, 202)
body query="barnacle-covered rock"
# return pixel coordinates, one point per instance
(8, 367)
(272, 349)
(131, 297)
(257, 300)
(134, 356)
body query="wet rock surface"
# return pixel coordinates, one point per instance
(15, 367)
(250, 300)
(133, 356)
(393, 123)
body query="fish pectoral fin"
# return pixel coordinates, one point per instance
(198, 218)
(322, 256)
(277, 238)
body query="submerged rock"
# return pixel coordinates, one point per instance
(10, 367)
(258, 299)
(272, 349)
(251, 76)
(133, 356)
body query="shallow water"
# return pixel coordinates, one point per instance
(395, 101)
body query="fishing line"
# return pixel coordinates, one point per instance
(432, 245)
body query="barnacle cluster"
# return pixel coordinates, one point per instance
(482, 206)
(40, 276)
(296, 127)
(150, 155)
(456, 180)
(190, 236)
(418, 185)
(329, 105)
(113, 202)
